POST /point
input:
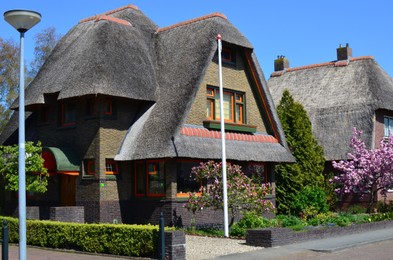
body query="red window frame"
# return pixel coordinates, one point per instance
(113, 165)
(147, 173)
(90, 167)
(236, 104)
(108, 107)
(227, 55)
(64, 110)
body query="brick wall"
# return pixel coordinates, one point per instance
(234, 78)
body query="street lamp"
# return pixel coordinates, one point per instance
(22, 21)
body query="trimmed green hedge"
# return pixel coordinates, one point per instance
(116, 239)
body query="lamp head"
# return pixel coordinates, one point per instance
(22, 20)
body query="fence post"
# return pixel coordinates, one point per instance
(4, 244)
(161, 238)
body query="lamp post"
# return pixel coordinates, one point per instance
(22, 21)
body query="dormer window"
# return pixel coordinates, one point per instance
(227, 55)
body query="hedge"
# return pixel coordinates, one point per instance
(115, 239)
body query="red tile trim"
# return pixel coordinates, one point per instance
(331, 63)
(191, 21)
(205, 133)
(109, 13)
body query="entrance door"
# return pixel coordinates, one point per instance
(67, 190)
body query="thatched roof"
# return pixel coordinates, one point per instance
(122, 53)
(110, 54)
(338, 96)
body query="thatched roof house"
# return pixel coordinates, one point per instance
(137, 104)
(338, 96)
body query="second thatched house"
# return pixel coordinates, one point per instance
(338, 96)
(124, 110)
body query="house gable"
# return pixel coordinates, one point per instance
(235, 78)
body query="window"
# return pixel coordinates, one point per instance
(110, 167)
(227, 55)
(185, 181)
(233, 103)
(43, 116)
(149, 179)
(90, 168)
(68, 113)
(388, 126)
(90, 107)
(108, 107)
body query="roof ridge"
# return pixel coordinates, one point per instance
(94, 17)
(106, 18)
(170, 27)
(336, 63)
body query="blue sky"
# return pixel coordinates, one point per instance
(305, 31)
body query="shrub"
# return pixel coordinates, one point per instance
(127, 240)
(291, 221)
(310, 202)
(384, 207)
(250, 220)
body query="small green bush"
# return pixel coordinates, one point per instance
(249, 220)
(357, 209)
(384, 207)
(310, 202)
(291, 221)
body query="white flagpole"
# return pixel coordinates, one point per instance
(222, 121)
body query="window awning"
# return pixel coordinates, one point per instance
(60, 160)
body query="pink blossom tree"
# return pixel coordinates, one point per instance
(367, 171)
(242, 193)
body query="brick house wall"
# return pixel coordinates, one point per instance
(234, 78)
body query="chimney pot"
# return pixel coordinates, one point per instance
(281, 63)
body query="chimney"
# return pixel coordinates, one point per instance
(281, 63)
(344, 53)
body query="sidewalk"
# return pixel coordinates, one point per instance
(323, 245)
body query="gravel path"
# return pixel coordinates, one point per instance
(199, 247)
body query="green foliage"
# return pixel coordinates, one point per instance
(127, 240)
(385, 207)
(249, 220)
(291, 221)
(357, 209)
(310, 202)
(308, 169)
(36, 173)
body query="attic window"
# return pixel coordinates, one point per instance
(227, 55)
(233, 105)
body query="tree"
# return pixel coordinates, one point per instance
(367, 171)
(9, 68)
(45, 42)
(242, 193)
(36, 173)
(9, 78)
(309, 155)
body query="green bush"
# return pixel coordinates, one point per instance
(310, 202)
(384, 207)
(291, 221)
(357, 209)
(127, 240)
(249, 220)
